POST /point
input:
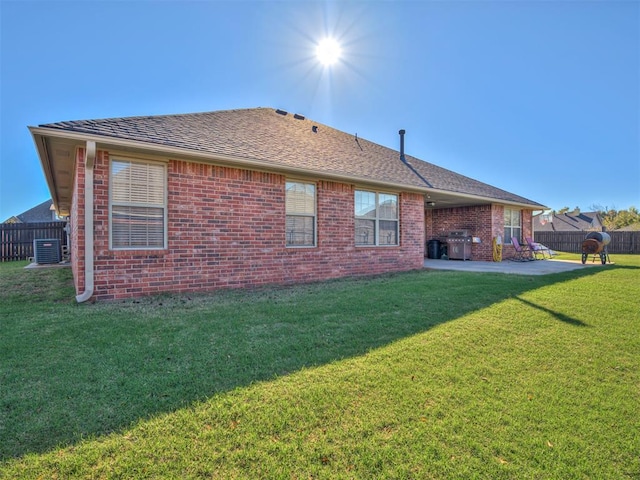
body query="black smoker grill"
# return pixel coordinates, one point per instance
(595, 243)
(459, 245)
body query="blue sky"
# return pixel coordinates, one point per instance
(540, 98)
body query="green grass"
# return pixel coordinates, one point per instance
(428, 374)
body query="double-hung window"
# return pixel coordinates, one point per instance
(137, 205)
(376, 218)
(512, 225)
(300, 204)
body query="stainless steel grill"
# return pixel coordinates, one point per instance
(459, 245)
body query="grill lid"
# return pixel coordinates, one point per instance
(459, 233)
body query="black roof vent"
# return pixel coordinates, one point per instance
(298, 117)
(281, 112)
(315, 129)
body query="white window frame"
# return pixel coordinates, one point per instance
(377, 219)
(303, 212)
(154, 201)
(511, 226)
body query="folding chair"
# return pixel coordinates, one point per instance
(523, 254)
(537, 249)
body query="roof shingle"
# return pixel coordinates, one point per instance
(277, 138)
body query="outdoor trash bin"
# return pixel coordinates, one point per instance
(433, 248)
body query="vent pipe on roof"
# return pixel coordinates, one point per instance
(404, 160)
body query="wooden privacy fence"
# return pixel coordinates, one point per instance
(16, 239)
(621, 242)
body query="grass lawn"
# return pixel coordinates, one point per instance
(428, 374)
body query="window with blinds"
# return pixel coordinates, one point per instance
(376, 218)
(300, 204)
(137, 207)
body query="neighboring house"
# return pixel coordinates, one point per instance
(568, 222)
(40, 213)
(634, 227)
(251, 197)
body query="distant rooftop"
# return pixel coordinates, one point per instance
(567, 222)
(39, 213)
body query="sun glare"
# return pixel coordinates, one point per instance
(328, 51)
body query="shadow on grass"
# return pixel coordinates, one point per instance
(74, 371)
(559, 316)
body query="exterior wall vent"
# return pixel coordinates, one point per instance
(46, 251)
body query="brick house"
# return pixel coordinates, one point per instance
(251, 197)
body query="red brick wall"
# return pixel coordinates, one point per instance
(76, 221)
(429, 231)
(226, 229)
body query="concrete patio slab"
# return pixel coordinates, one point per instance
(34, 265)
(535, 267)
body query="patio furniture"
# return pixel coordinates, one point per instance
(537, 248)
(523, 254)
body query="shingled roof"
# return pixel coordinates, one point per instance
(37, 214)
(284, 141)
(569, 222)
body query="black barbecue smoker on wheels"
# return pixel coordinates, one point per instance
(595, 243)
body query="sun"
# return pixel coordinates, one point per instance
(328, 51)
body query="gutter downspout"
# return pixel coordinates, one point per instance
(89, 160)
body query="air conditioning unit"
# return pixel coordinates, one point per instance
(46, 251)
